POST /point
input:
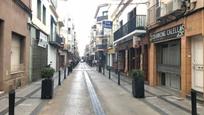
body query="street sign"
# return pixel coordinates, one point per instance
(107, 24)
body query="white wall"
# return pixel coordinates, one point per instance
(141, 9)
(52, 52)
(36, 21)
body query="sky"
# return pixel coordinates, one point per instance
(82, 13)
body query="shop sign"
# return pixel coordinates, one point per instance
(168, 34)
(136, 41)
(43, 40)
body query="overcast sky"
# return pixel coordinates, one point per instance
(82, 13)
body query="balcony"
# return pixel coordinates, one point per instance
(165, 12)
(101, 18)
(136, 23)
(58, 42)
(101, 46)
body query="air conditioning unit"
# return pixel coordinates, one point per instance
(177, 4)
(169, 7)
(29, 21)
(163, 10)
(193, 1)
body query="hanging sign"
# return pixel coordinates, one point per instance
(43, 40)
(107, 24)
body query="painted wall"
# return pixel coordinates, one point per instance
(7, 81)
(52, 56)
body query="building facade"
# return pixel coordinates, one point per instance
(14, 43)
(102, 34)
(176, 50)
(39, 32)
(131, 44)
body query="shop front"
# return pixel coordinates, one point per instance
(168, 56)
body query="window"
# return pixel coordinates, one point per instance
(69, 30)
(132, 14)
(44, 15)
(53, 29)
(105, 13)
(121, 23)
(39, 9)
(17, 52)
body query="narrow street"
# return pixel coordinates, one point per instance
(79, 96)
(87, 92)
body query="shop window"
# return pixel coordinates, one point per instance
(39, 9)
(17, 53)
(44, 15)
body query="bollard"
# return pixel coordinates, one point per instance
(109, 73)
(65, 73)
(118, 77)
(12, 102)
(68, 70)
(193, 102)
(99, 69)
(59, 80)
(103, 70)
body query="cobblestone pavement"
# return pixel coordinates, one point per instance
(87, 92)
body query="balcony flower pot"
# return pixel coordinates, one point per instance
(137, 83)
(47, 86)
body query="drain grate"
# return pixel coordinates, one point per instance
(94, 99)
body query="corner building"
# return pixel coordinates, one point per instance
(176, 33)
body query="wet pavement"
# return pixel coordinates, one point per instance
(98, 97)
(87, 92)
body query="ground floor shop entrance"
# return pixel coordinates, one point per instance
(168, 64)
(1, 54)
(197, 63)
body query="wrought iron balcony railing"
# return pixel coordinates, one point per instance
(136, 23)
(58, 42)
(101, 46)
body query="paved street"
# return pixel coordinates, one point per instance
(79, 96)
(87, 92)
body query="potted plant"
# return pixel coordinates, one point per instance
(47, 85)
(137, 83)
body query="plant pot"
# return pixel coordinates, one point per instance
(47, 88)
(138, 88)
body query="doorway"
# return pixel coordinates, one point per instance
(168, 64)
(1, 54)
(197, 63)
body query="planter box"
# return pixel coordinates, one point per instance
(47, 89)
(138, 88)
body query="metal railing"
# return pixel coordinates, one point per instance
(136, 23)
